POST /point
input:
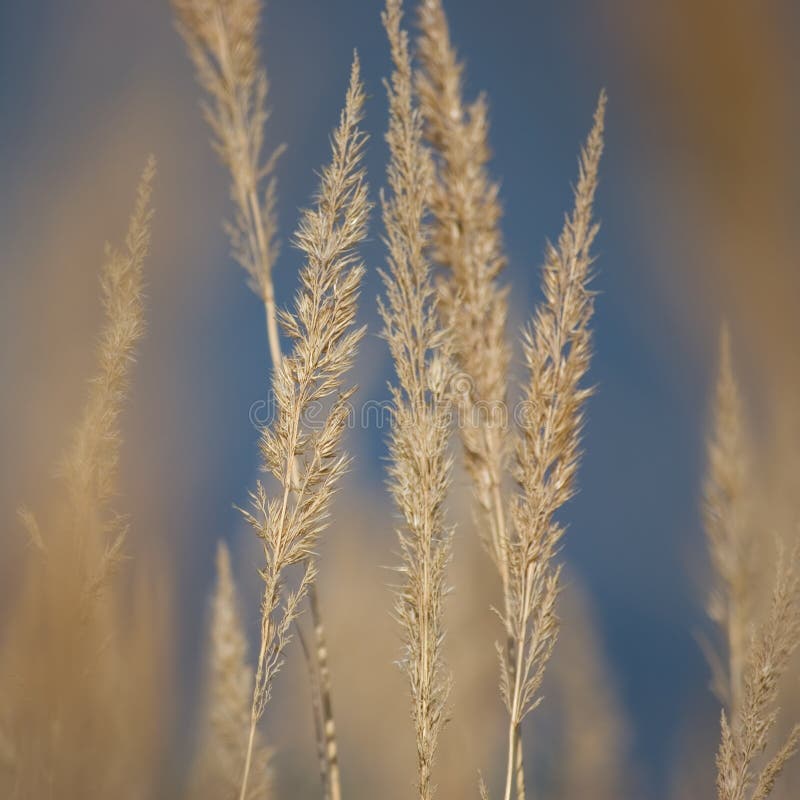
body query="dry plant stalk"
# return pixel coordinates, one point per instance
(229, 693)
(304, 456)
(467, 242)
(730, 539)
(745, 738)
(222, 39)
(557, 349)
(76, 728)
(419, 471)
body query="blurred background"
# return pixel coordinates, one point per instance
(699, 202)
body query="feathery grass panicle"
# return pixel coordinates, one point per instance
(222, 39)
(91, 465)
(71, 692)
(229, 693)
(730, 540)
(467, 243)
(557, 349)
(306, 459)
(221, 36)
(419, 471)
(746, 737)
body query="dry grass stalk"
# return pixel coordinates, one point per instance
(305, 458)
(745, 738)
(467, 242)
(322, 703)
(317, 711)
(557, 351)
(730, 540)
(222, 39)
(420, 467)
(229, 693)
(75, 725)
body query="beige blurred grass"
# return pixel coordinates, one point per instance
(726, 179)
(85, 656)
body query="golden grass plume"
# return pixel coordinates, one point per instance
(419, 471)
(80, 668)
(306, 459)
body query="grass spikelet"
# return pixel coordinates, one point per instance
(419, 472)
(557, 349)
(305, 458)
